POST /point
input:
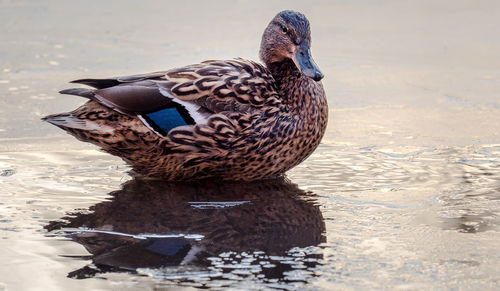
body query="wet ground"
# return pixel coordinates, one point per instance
(403, 193)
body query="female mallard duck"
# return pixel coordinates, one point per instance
(234, 120)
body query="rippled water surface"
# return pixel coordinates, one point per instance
(403, 192)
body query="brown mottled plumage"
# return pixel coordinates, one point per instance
(240, 120)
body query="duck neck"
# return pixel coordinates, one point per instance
(290, 81)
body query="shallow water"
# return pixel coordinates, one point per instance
(403, 192)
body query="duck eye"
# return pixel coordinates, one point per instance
(285, 30)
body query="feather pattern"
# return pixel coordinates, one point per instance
(233, 119)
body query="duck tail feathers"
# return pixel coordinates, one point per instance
(69, 121)
(82, 92)
(97, 83)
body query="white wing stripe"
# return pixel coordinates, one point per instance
(193, 109)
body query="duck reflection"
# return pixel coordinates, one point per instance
(152, 224)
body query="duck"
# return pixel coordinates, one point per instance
(233, 119)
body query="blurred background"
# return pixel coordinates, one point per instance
(403, 191)
(414, 72)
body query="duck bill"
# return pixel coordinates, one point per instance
(304, 62)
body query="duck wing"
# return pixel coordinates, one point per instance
(217, 86)
(187, 95)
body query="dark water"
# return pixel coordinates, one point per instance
(403, 192)
(190, 233)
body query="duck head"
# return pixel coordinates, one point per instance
(288, 36)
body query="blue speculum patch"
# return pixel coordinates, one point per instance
(165, 119)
